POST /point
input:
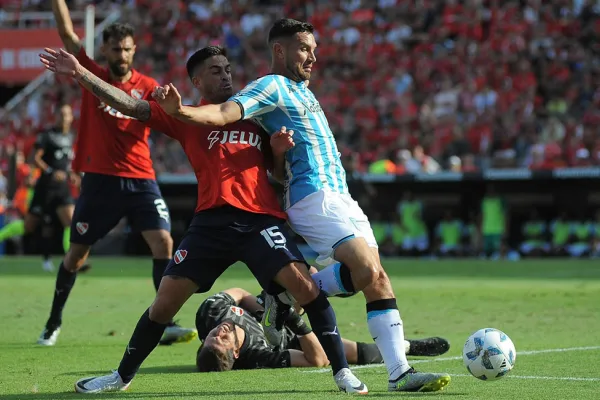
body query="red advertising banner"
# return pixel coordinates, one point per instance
(19, 49)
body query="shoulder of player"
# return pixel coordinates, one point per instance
(45, 133)
(244, 125)
(145, 84)
(263, 82)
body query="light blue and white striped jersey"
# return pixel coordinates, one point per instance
(314, 163)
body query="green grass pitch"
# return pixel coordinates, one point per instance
(550, 309)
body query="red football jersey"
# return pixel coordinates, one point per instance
(109, 142)
(229, 162)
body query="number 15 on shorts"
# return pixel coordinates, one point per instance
(274, 237)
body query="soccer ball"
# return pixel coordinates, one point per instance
(489, 354)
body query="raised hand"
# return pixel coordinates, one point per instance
(168, 98)
(282, 140)
(60, 62)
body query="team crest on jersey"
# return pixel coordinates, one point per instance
(137, 94)
(237, 311)
(179, 256)
(82, 227)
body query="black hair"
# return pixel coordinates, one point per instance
(117, 31)
(202, 55)
(287, 27)
(209, 360)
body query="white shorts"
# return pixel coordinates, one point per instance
(327, 219)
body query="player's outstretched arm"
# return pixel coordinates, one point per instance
(169, 99)
(63, 63)
(311, 355)
(65, 26)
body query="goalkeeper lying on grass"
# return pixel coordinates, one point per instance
(228, 325)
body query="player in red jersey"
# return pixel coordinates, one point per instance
(119, 181)
(238, 218)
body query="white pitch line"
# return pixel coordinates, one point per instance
(544, 378)
(430, 360)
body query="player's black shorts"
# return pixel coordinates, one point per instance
(105, 199)
(219, 237)
(48, 195)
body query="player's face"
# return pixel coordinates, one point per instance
(66, 116)
(223, 338)
(119, 54)
(213, 79)
(299, 56)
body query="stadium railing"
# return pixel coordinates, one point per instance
(46, 77)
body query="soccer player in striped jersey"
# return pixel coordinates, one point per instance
(316, 196)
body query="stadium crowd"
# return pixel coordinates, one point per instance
(408, 85)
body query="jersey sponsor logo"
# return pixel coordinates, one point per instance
(82, 227)
(234, 137)
(309, 102)
(237, 310)
(179, 256)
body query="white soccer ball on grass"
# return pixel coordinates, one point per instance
(489, 354)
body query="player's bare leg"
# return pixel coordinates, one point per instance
(46, 247)
(30, 224)
(298, 283)
(65, 279)
(161, 245)
(172, 294)
(65, 216)
(361, 270)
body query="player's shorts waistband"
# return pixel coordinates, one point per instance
(119, 183)
(228, 216)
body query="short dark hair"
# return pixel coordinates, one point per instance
(117, 31)
(209, 360)
(202, 55)
(287, 27)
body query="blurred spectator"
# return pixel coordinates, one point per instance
(494, 83)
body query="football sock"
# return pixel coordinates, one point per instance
(158, 269)
(324, 325)
(334, 279)
(385, 327)
(144, 339)
(13, 229)
(66, 239)
(46, 248)
(368, 353)
(64, 283)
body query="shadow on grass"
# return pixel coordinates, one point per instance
(170, 369)
(242, 394)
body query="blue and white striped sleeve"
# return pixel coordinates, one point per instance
(258, 97)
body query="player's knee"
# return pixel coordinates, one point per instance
(161, 311)
(76, 257)
(30, 224)
(296, 280)
(381, 288)
(367, 275)
(161, 244)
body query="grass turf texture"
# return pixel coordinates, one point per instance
(541, 305)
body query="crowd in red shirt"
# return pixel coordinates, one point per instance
(426, 84)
